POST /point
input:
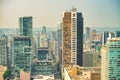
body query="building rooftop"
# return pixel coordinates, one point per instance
(43, 77)
(82, 73)
(24, 75)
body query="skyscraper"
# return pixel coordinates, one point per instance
(105, 35)
(110, 64)
(59, 45)
(3, 50)
(79, 39)
(22, 51)
(114, 59)
(25, 26)
(43, 38)
(72, 42)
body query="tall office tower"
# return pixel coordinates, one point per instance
(25, 26)
(59, 45)
(114, 59)
(22, 54)
(3, 50)
(72, 42)
(43, 38)
(104, 62)
(105, 35)
(87, 33)
(59, 40)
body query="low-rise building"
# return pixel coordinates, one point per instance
(24, 75)
(43, 77)
(82, 73)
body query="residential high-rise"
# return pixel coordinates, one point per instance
(72, 38)
(22, 54)
(25, 26)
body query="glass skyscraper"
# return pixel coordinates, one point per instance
(3, 50)
(25, 26)
(21, 55)
(114, 59)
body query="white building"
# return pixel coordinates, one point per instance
(104, 60)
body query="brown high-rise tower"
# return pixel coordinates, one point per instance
(72, 38)
(66, 35)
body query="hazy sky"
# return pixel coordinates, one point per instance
(96, 13)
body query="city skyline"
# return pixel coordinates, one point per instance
(96, 13)
(59, 40)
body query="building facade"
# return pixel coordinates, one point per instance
(105, 35)
(44, 42)
(72, 38)
(25, 26)
(22, 54)
(87, 33)
(4, 50)
(43, 54)
(104, 63)
(114, 59)
(59, 46)
(42, 68)
(117, 34)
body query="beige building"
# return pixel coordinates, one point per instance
(24, 75)
(95, 76)
(2, 70)
(44, 77)
(104, 54)
(82, 73)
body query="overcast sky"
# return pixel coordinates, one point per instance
(97, 13)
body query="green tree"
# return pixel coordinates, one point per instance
(6, 74)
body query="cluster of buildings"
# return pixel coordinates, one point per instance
(67, 53)
(95, 55)
(27, 54)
